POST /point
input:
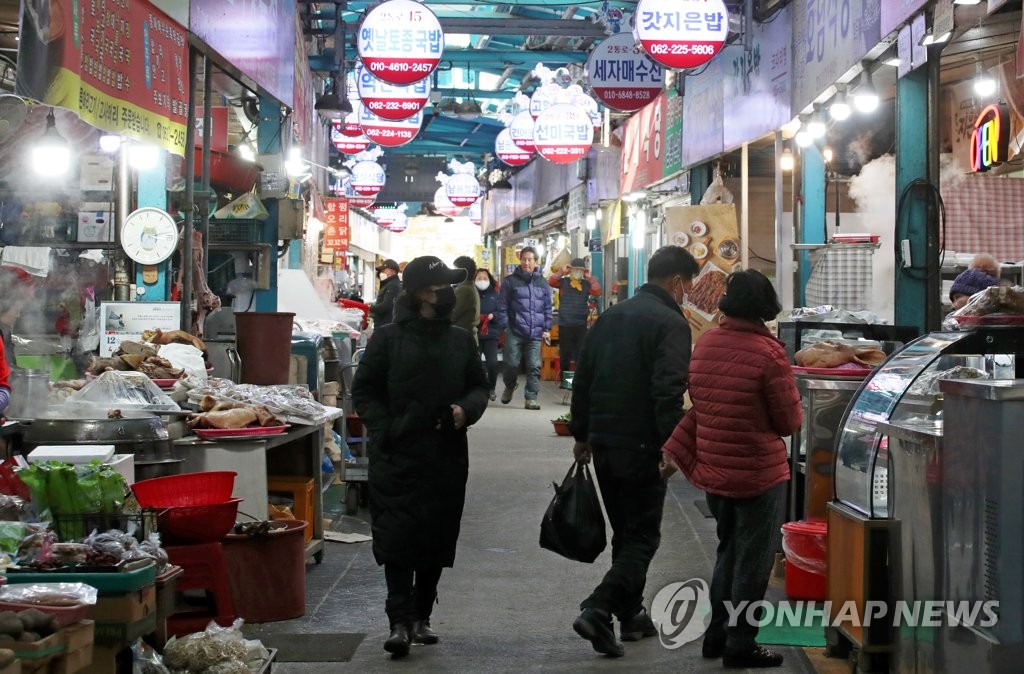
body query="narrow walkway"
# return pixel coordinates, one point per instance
(508, 605)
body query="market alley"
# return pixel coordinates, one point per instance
(508, 605)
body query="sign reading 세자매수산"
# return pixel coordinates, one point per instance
(123, 70)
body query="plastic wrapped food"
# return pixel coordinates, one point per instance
(996, 305)
(49, 594)
(928, 383)
(202, 651)
(121, 390)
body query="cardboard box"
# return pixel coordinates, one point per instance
(125, 608)
(73, 661)
(13, 668)
(122, 634)
(79, 635)
(109, 660)
(95, 222)
(97, 172)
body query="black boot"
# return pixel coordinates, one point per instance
(595, 626)
(398, 643)
(638, 627)
(423, 634)
(758, 657)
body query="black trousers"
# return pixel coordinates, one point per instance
(744, 562)
(411, 592)
(570, 341)
(634, 497)
(489, 347)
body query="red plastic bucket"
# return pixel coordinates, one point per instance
(268, 573)
(804, 545)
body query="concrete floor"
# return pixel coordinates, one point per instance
(508, 605)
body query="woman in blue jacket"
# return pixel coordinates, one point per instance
(490, 326)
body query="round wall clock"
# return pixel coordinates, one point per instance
(149, 235)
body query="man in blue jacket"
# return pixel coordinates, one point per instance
(524, 305)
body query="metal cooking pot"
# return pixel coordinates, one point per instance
(145, 437)
(29, 388)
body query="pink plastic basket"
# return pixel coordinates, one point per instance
(198, 524)
(189, 489)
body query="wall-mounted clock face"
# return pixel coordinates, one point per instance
(149, 235)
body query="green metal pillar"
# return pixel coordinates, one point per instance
(812, 217)
(700, 180)
(914, 241)
(268, 141)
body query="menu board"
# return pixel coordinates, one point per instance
(711, 235)
(120, 321)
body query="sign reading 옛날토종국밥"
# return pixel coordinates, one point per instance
(507, 151)
(400, 41)
(563, 133)
(621, 75)
(347, 144)
(368, 177)
(336, 226)
(389, 101)
(101, 66)
(991, 138)
(521, 131)
(389, 132)
(462, 189)
(684, 33)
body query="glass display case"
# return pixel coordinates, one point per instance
(905, 389)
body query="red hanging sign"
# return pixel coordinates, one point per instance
(336, 229)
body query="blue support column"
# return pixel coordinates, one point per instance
(911, 287)
(295, 254)
(268, 141)
(153, 192)
(812, 219)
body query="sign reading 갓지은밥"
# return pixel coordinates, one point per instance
(684, 33)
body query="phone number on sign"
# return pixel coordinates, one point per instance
(684, 49)
(379, 66)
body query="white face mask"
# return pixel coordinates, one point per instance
(577, 275)
(383, 276)
(483, 285)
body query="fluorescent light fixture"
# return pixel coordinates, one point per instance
(51, 154)
(865, 99)
(787, 161)
(840, 108)
(143, 157)
(639, 229)
(591, 221)
(803, 138)
(294, 165)
(966, 2)
(110, 142)
(634, 196)
(827, 154)
(984, 84)
(816, 125)
(931, 38)
(893, 61)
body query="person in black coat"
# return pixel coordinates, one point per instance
(491, 326)
(627, 398)
(383, 309)
(419, 385)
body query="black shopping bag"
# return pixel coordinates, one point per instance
(573, 525)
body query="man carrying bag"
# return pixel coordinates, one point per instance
(573, 525)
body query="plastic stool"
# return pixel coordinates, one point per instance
(301, 491)
(205, 569)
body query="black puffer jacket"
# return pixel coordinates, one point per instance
(383, 309)
(411, 371)
(632, 373)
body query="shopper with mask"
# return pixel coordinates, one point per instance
(383, 309)
(419, 385)
(627, 399)
(575, 288)
(490, 325)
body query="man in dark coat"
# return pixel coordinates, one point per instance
(419, 385)
(627, 399)
(575, 288)
(383, 309)
(524, 305)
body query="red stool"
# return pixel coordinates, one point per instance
(205, 569)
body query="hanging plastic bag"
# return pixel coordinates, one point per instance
(717, 192)
(573, 525)
(246, 207)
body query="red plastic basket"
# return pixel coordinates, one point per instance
(188, 489)
(198, 524)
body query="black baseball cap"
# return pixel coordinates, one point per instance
(389, 264)
(428, 270)
(578, 263)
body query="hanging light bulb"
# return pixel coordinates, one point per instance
(803, 138)
(840, 108)
(826, 153)
(787, 161)
(866, 98)
(294, 166)
(816, 125)
(984, 84)
(51, 155)
(591, 221)
(143, 156)
(110, 142)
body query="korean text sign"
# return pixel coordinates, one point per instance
(122, 68)
(400, 41)
(336, 225)
(684, 33)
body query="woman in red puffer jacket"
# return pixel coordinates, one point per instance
(730, 445)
